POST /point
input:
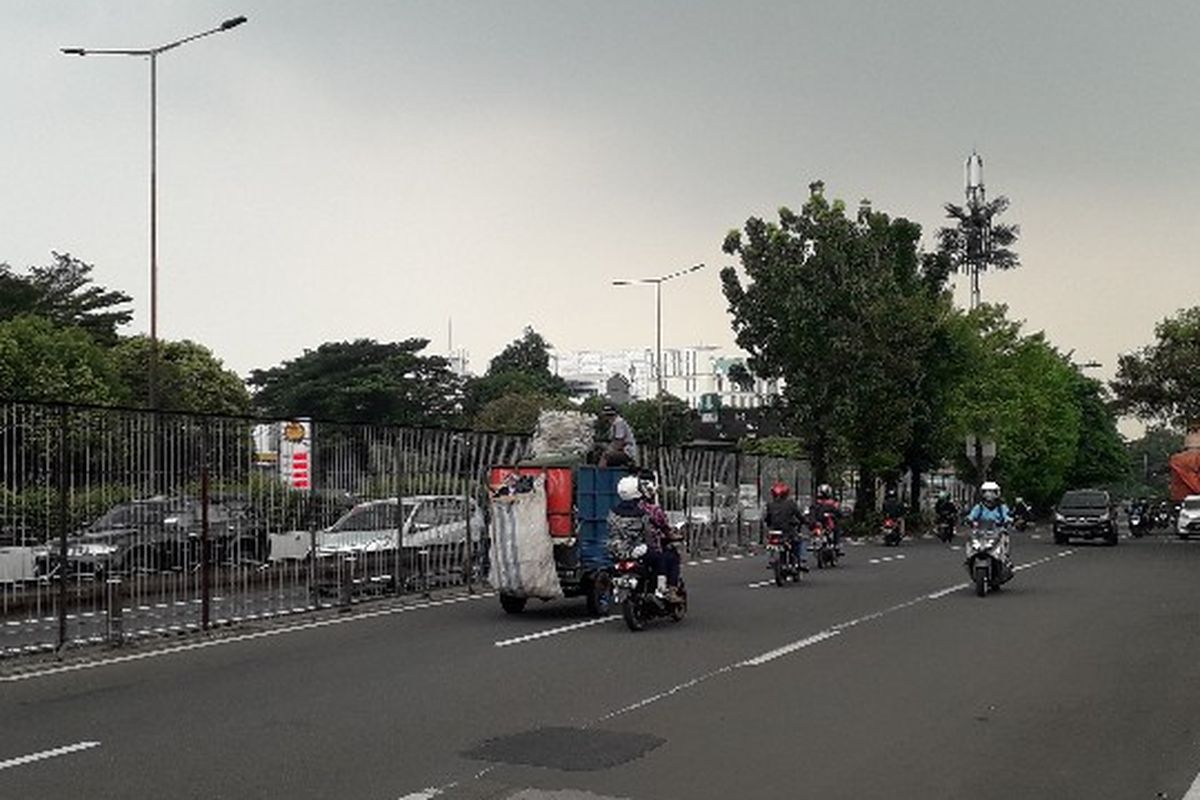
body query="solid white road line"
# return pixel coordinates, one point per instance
(246, 637)
(553, 631)
(1194, 792)
(779, 652)
(760, 584)
(42, 756)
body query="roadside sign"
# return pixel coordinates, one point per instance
(980, 452)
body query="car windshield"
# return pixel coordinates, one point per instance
(128, 515)
(1192, 504)
(1084, 500)
(369, 517)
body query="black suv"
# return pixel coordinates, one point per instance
(1086, 514)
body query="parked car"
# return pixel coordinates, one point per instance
(152, 535)
(1086, 514)
(1188, 523)
(371, 527)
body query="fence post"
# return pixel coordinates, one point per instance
(401, 568)
(116, 612)
(347, 583)
(61, 481)
(470, 556)
(737, 488)
(205, 576)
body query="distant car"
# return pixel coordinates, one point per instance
(372, 526)
(1085, 514)
(1189, 517)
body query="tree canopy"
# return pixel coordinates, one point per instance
(64, 294)
(364, 381)
(1161, 382)
(42, 361)
(190, 377)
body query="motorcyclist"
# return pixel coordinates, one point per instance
(945, 508)
(1022, 511)
(783, 515)
(827, 506)
(637, 517)
(945, 511)
(893, 508)
(990, 509)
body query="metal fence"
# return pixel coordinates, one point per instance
(118, 525)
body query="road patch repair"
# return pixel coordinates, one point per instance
(567, 749)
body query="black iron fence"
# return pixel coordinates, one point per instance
(123, 524)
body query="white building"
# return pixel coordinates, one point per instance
(688, 373)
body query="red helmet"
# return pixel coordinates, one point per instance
(780, 489)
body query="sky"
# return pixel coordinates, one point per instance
(389, 169)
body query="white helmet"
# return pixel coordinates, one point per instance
(629, 488)
(990, 490)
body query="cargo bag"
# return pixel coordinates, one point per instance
(522, 553)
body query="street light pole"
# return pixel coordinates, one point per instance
(658, 365)
(152, 53)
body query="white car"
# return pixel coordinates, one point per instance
(1189, 517)
(372, 526)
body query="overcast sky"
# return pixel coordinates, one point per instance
(333, 170)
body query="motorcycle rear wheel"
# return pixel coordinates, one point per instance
(631, 610)
(780, 578)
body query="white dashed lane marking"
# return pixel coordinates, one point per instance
(45, 754)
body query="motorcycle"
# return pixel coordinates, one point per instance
(987, 558)
(892, 533)
(783, 559)
(945, 528)
(823, 546)
(1138, 523)
(635, 590)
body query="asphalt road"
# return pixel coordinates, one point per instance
(884, 678)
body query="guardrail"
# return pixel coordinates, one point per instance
(118, 524)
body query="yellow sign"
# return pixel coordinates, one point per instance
(294, 432)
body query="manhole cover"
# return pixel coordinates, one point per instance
(572, 749)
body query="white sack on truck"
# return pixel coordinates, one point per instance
(563, 435)
(522, 553)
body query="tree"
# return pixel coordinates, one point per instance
(1161, 382)
(642, 416)
(190, 377)
(1022, 393)
(516, 413)
(831, 306)
(741, 377)
(41, 361)
(64, 294)
(362, 381)
(1101, 457)
(522, 367)
(1149, 467)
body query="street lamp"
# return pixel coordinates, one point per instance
(658, 366)
(152, 53)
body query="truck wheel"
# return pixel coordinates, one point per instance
(599, 594)
(513, 604)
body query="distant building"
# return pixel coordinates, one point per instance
(689, 373)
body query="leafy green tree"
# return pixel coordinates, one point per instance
(834, 306)
(63, 293)
(522, 367)
(190, 377)
(643, 417)
(43, 361)
(1161, 382)
(1148, 457)
(516, 413)
(1101, 457)
(362, 381)
(1021, 392)
(741, 377)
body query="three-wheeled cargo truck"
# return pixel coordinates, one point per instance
(578, 499)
